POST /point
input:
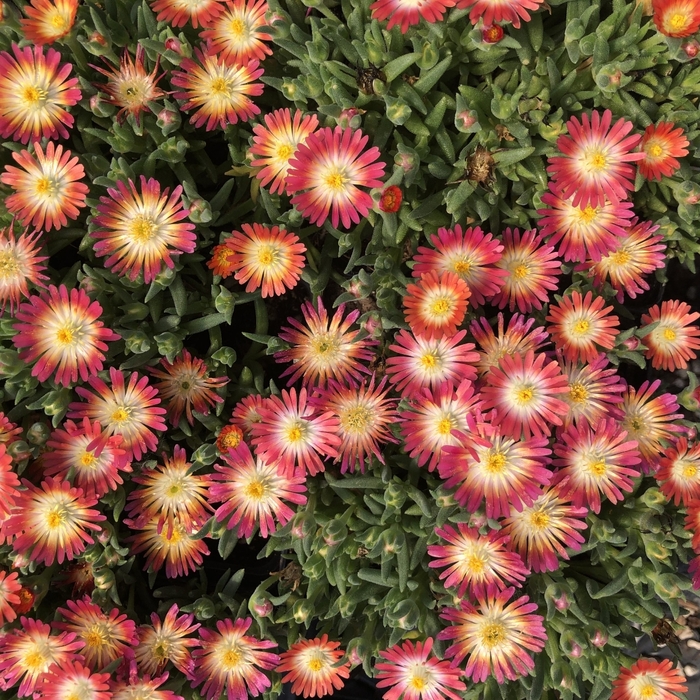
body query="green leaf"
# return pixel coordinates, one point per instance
(615, 586)
(204, 323)
(395, 68)
(510, 156)
(426, 82)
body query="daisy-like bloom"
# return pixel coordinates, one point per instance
(183, 385)
(221, 261)
(246, 413)
(364, 417)
(500, 11)
(432, 418)
(85, 451)
(518, 339)
(275, 143)
(51, 522)
(179, 12)
(649, 420)
(596, 161)
(20, 264)
(322, 349)
(533, 269)
(171, 493)
(9, 481)
(649, 679)
(312, 666)
(662, 145)
(495, 636)
(293, 435)
(430, 363)
(635, 255)
(489, 466)
(593, 390)
(405, 14)
(220, 91)
(165, 641)
(9, 587)
(235, 34)
(471, 255)
(173, 546)
(595, 460)
(29, 652)
(48, 20)
(583, 231)
(324, 174)
(679, 473)
(412, 672)
(131, 87)
(581, 327)
(271, 258)
(130, 410)
(436, 306)
(229, 438)
(71, 679)
(34, 92)
(253, 493)
(62, 333)
(48, 191)
(676, 18)
(146, 688)
(141, 231)
(230, 661)
(540, 533)
(478, 564)
(674, 339)
(525, 393)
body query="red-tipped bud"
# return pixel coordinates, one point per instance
(390, 200)
(492, 34)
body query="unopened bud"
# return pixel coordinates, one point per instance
(173, 44)
(691, 48)
(632, 343)
(302, 611)
(406, 161)
(372, 325)
(492, 34)
(38, 433)
(97, 38)
(261, 606)
(599, 639)
(390, 199)
(350, 118)
(465, 120)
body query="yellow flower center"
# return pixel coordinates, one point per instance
(444, 426)
(654, 150)
(174, 490)
(316, 664)
(231, 437)
(45, 187)
(690, 471)
(255, 490)
(335, 180)
(161, 650)
(524, 395)
(428, 361)
(220, 86)
(59, 22)
(9, 265)
(96, 636)
(295, 433)
(231, 658)
(285, 151)
(66, 335)
(620, 257)
(521, 271)
(580, 327)
(493, 635)
(142, 229)
(35, 659)
(578, 393)
(56, 517)
(475, 563)
(597, 161)
(419, 678)
(678, 22)
(495, 463)
(238, 28)
(87, 459)
(585, 216)
(176, 536)
(440, 307)
(539, 520)
(461, 267)
(121, 415)
(34, 95)
(267, 255)
(356, 420)
(598, 468)
(669, 334)
(646, 690)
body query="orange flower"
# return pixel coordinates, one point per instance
(662, 145)
(676, 18)
(48, 21)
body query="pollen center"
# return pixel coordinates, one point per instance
(578, 393)
(539, 520)
(428, 361)
(231, 659)
(356, 420)
(524, 395)
(45, 187)
(142, 229)
(87, 459)
(59, 22)
(598, 468)
(669, 334)
(255, 490)
(95, 636)
(597, 161)
(220, 86)
(521, 271)
(335, 180)
(34, 95)
(238, 28)
(121, 415)
(461, 267)
(34, 660)
(495, 463)
(475, 563)
(440, 307)
(295, 433)
(620, 257)
(266, 255)
(9, 265)
(581, 326)
(316, 664)
(587, 215)
(493, 635)
(678, 21)
(654, 150)
(444, 426)
(690, 471)
(56, 517)
(65, 335)
(646, 690)
(285, 152)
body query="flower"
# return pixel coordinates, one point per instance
(141, 231)
(20, 264)
(324, 174)
(9, 481)
(229, 660)
(436, 306)
(581, 327)
(501, 11)
(430, 363)
(541, 532)
(146, 688)
(413, 673)
(9, 587)
(533, 269)
(595, 460)
(294, 434)
(104, 637)
(470, 254)
(662, 145)
(253, 493)
(183, 385)
(34, 92)
(128, 410)
(679, 472)
(596, 161)
(406, 14)
(130, 87)
(390, 199)
(49, 20)
(235, 34)
(276, 142)
(676, 18)
(165, 641)
(246, 413)
(60, 331)
(271, 258)
(219, 91)
(178, 12)
(636, 254)
(85, 451)
(70, 679)
(582, 231)
(524, 393)
(228, 438)
(30, 651)
(674, 340)
(492, 34)
(496, 636)
(478, 564)
(364, 416)
(51, 522)
(321, 350)
(221, 261)
(48, 191)
(649, 679)
(312, 666)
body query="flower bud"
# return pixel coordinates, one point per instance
(97, 38)
(334, 533)
(632, 343)
(204, 609)
(398, 112)
(478, 520)
(356, 651)
(390, 199)
(395, 495)
(302, 611)
(691, 48)
(407, 160)
(405, 615)
(168, 120)
(103, 581)
(100, 108)
(261, 605)
(599, 638)
(173, 44)
(372, 325)
(465, 120)
(303, 524)
(350, 118)
(492, 34)
(38, 433)
(229, 438)
(19, 450)
(26, 601)
(89, 285)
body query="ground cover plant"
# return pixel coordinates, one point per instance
(347, 337)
